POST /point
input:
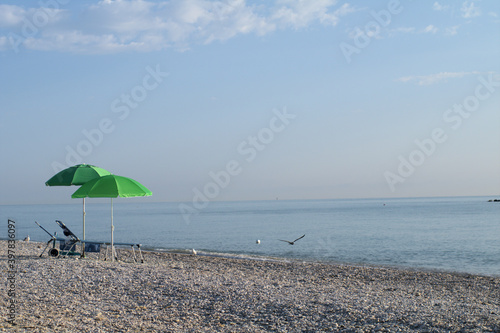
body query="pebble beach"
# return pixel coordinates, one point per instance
(173, 292)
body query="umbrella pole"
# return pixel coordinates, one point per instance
(83, 243)
(112, 231)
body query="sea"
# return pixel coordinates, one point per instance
(452, 234)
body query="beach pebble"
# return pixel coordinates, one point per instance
(185, 293)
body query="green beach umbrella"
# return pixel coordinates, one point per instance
(77, 175)
(112, 186)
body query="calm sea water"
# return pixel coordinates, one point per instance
(452, 234)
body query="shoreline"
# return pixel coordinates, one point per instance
(173, 292)
(242, 256)
(257, 257)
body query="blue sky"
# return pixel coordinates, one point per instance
(252, 100)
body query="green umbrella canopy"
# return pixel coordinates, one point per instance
(112, 186)
(76, 175)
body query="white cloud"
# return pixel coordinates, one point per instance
(11, 15)
(344, 10)
(78, 42)
(430, 29)
(437, 6)
(121, 16)
(403, 30)
(4, 43)
(452, 31)
(222, 21)
(117, 25)
(469, 9)
(15, 16)
(300, 13)
(423, 80)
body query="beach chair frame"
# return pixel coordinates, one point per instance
(108, 246)
(68, 249)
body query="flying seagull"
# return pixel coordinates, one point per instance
(292, 243)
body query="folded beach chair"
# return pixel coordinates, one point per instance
(68, 233)
(67, 246)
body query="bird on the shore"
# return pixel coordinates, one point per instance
(293, 242)
(27, 239)
(193, 252)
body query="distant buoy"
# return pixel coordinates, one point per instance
(257, 241)
(193, 251)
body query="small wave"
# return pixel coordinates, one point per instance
(208, 253)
